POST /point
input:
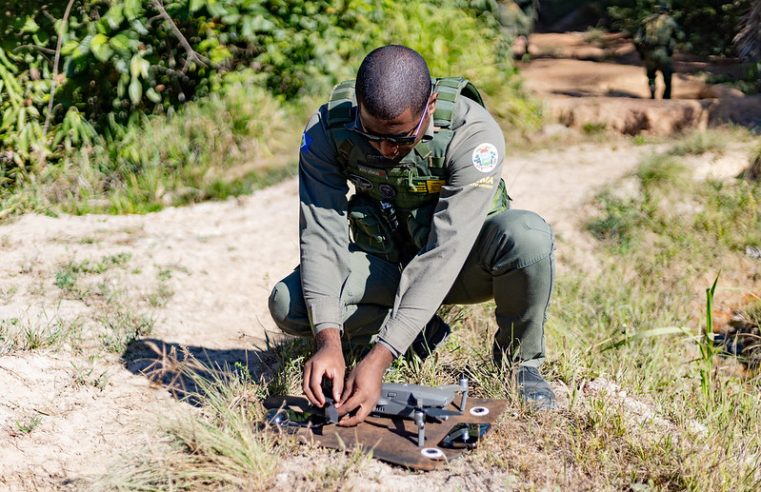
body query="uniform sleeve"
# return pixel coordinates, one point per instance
(323, 227)
(475, 161)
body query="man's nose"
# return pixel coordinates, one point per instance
(388, 149)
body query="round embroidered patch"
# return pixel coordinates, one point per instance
(361, 183)
(485, 157)
(387, 191)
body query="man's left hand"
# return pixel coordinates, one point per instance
(363, 387)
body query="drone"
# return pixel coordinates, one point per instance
(417, 402)
(398, 400)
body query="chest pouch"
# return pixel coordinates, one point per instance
(370, 230)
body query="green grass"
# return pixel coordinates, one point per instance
(163, 292)
(7, 294)
(701, 142)
(27, 426)
(90, 376)
(66, 278)
(41, 332)
(218, 448)
(594, 128)
(122, 326)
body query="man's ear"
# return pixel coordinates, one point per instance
(432, 103)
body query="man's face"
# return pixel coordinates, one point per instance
(396, 137)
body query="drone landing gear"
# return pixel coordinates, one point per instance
(438, 414)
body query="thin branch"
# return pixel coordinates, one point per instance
(192, 54)
(150, 21)
(53, 83)
(48, 15)
(47, 51)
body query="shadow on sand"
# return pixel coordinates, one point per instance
(180, 368)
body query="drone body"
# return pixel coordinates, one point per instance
(401, 400)
(417, 402)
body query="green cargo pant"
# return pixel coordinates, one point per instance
(654, 61)
(512, 262)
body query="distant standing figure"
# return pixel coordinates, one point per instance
(655, 41)
(527, 21)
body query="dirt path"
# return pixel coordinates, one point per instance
(196, 276)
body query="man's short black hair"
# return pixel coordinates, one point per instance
(392, 79)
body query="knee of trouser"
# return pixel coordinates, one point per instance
(517, 239)
(280, 306)
(279, 303)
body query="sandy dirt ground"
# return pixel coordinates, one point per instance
(200, 276)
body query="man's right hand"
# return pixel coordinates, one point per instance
(328, 361)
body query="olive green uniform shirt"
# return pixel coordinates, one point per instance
(474, 165)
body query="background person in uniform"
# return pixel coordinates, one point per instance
(655, 41)
(428, 223)
(526, 21)
(518, 18)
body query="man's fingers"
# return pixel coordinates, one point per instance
(338, 386)
(315, 384)
(347, 391)
(364, 410)
(305, 385)
(351, 404)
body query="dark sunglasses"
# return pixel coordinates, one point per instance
(403, 139)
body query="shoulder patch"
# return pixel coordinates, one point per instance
(485, 157)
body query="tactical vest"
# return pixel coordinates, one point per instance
(658, 31)
(391, 212)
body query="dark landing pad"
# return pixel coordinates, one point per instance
(394, 440)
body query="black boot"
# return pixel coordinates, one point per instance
(434, 334)
(533, 389)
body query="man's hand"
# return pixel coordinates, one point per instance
(327, 362)
(363, 387)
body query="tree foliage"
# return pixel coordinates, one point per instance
(123, 59)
